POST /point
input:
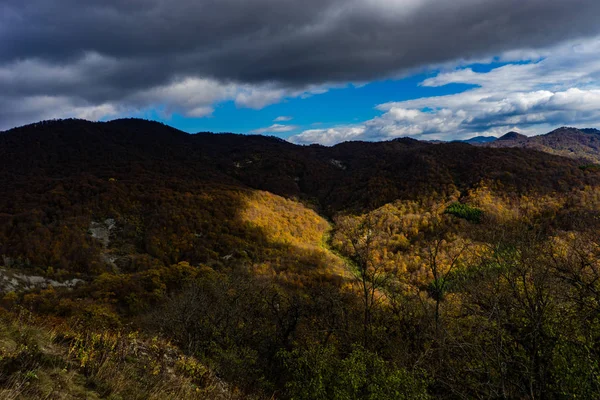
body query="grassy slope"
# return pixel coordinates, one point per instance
(61, 363)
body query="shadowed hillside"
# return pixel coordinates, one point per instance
(349, 175)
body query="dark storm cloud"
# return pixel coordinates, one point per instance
(104, 50)
(290, 41)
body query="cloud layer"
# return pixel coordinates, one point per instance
(275, 128)
(109, 57)
(561, 87)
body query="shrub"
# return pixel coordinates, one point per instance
(323, 374)
(465, 211)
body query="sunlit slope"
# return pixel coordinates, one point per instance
(290, 224)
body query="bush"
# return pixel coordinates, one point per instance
(322, 374)
(464, 211)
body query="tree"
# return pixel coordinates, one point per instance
(362, 240)
(443, 256)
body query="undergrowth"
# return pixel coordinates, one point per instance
(62, 363)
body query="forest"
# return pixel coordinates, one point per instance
(208, 266)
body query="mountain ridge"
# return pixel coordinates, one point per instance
(580, 144)
(365, 174)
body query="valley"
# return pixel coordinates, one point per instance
(231, 266)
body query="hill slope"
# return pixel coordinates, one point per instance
(353, 174)
(579, 144)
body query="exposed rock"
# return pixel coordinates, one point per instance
(11, 281)
(101, 230)
(337, 163)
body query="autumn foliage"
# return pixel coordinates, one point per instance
(250, 267)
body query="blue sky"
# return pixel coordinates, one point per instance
(530, 92)
(316, 71)
(345, 105)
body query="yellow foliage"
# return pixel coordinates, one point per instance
(289, 223)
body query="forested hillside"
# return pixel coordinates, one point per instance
(249, 267)
(580, 144)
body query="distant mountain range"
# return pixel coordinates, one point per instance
(354, 175)
(579, 144)
(480, 139)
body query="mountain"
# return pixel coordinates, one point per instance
(512, 137)
(139, 261)
(357, 175)
(480, 139)
(474, 140)
(580, 144)
(591, 131)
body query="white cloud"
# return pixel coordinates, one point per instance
(191, 97)
(330, 136)
(283, 118)
(275, 128)
(258, 97)
(560, 88)
(35, 108)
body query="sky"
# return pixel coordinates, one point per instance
(311, 71)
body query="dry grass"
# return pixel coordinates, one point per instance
(61, 363)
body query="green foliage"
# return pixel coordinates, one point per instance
(320, 374)
(465, 211)
(576, 371)
(590, 167)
